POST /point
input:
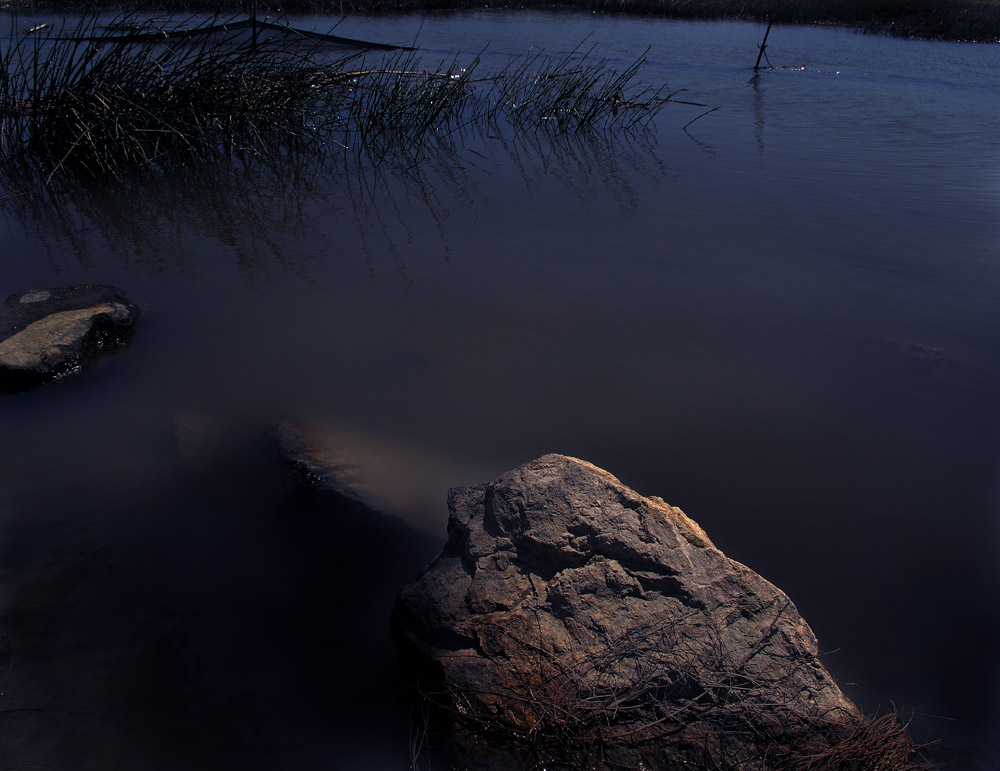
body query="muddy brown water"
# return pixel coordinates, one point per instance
(784, 320)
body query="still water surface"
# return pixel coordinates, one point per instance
(784, 320)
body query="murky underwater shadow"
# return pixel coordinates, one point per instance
(228, 622)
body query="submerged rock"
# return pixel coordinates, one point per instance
(395, 476)
(571, 621)
(322, 463)
(49, 333)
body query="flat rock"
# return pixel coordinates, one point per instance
(46, 334)
(572, 622)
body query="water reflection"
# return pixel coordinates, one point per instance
(284, 211)
(624, 167)
(147, 220)
(758, 111)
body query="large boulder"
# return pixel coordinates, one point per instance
(46, 334)
(571, 622)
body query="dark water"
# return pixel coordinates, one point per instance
(785, 321)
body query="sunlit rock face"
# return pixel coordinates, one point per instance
(570, 620)
(46, 334)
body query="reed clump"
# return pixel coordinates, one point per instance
(93, 101)
(87, 102)
(572, 91)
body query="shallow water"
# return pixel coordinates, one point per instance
(783, 320)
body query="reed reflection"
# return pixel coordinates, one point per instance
(290, 211)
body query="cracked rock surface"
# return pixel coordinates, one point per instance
(570, 620)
